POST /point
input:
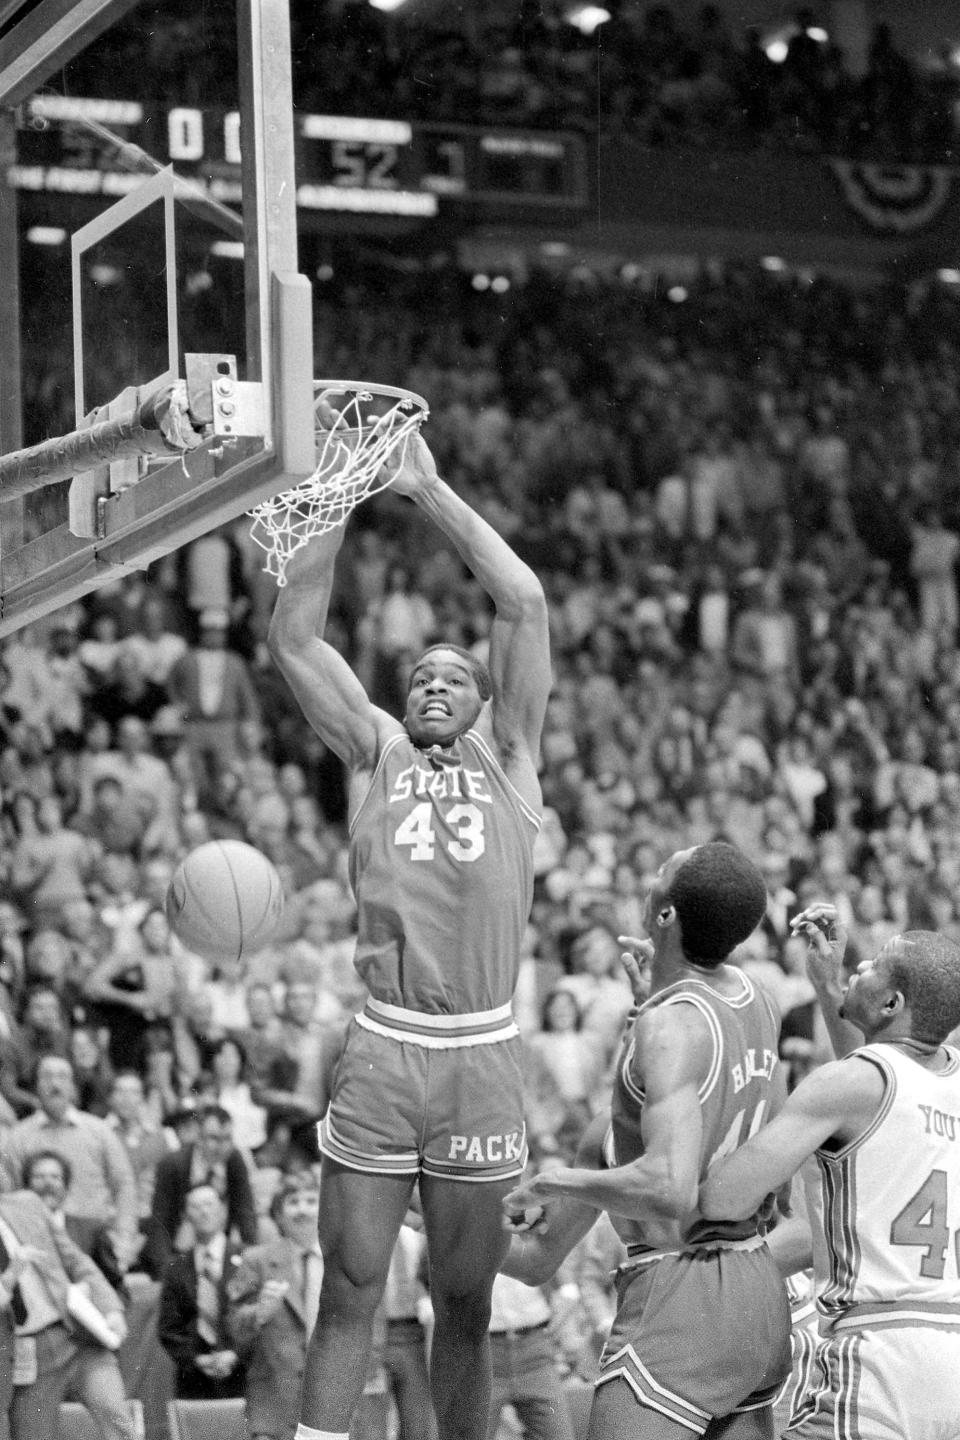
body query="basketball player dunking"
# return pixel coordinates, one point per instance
(443, 811)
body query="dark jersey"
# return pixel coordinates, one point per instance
(735, 1096)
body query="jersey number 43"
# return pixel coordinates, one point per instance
(417, 832)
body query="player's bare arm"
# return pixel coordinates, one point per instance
(536, 1254)
(660, 1187)
(790, 1242)
(835, 1103)
(330, 695)
(519, 658)
(826, 940)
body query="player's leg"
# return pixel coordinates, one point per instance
(360, 1218)
(467, 1244)
(615, 1412)
(750, 1425)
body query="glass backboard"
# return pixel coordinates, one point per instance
(143, 149)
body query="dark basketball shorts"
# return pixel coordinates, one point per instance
(699, 1335)
(432, 1095)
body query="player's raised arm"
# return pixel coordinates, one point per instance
(519, 643)
(330, 695)
(826, 944)
(838, 1100)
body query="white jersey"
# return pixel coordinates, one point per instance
(891, 1204)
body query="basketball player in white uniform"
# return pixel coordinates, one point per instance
(884, 1126)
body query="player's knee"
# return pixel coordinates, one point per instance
(460, 1309)
(350, 1290)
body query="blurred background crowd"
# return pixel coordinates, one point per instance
(649, 71)
(742, 495)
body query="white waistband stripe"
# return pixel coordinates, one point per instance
(439, 1039)
(421, 1020)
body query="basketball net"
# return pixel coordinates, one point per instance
(359, 453)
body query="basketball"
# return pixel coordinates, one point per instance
(224, 901)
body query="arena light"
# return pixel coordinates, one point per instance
(481, 282)
(949, 276)
(500, 284)
(46, 235)
(588, 18)
(774, 263)
(776, 42)
(677, 293)
(388, 6)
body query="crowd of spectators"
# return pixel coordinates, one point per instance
(661, 73)
(743, 499)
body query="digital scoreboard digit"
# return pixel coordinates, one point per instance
(344, 163)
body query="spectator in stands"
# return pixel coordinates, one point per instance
(145, 1142)
(68, 1364)
(117, 819)
(156, 645)
(92, 1071)
(51, 866)
(135, 989)
(214, 1159)
(564, 1065)
(312, 1046)
(523, 1362)
(47, 1173)
(597, 983)
(192, 1323)
(226, 1085)
(213, 688)
(127, 691)
(102, 1185)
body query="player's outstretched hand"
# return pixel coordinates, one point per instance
(416, 469)
(826, 940)
(636, 957)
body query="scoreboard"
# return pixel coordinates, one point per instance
(344, 164)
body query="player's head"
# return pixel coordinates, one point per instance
(448, 689)
(714, 894)
(915, 978)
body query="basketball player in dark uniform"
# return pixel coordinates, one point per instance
(443, 812)
(700, 1343)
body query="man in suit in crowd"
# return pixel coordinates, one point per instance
(102, 1185)
(48, 1173)
(215, 1159)
(193, 1304)
(273, 1307)
(55, 1357)
(214, 691)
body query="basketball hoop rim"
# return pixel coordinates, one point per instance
(364, 387)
